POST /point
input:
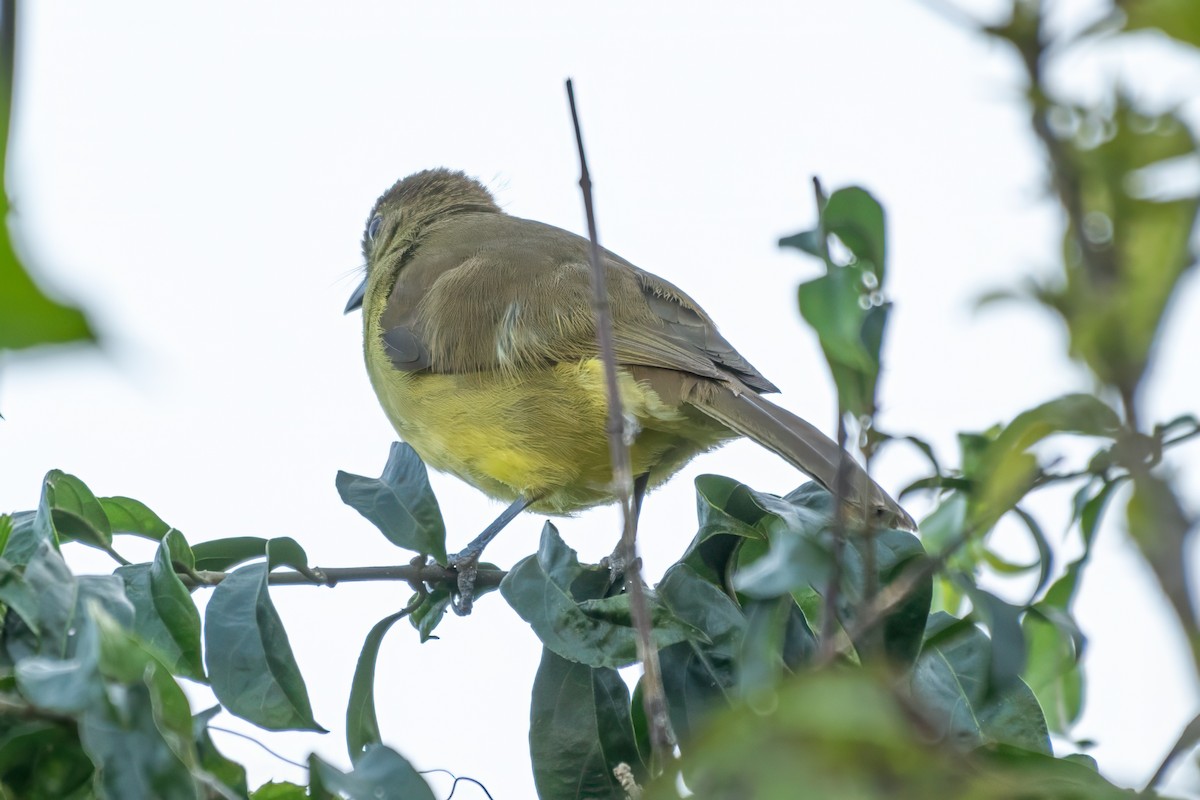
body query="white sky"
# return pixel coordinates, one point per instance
(198, 176)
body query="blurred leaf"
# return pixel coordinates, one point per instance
(1052, 671)
(1001, 468)
(952, 680)
(845, 306)
(57, 593)
(218, 555)
(250, 661)
(1045, 560)
(132, 757)
(579, 730)
(230, 773)
(826, 734)
(126, 515)
(593, 631)
(379, 774)
(67, 686)
(281, 791)
(1179, 19)
(1003, 621)
(400, 503)
(362, 726)
(29, 317)
(1138, 246)
(43, 760)
(1161, 528)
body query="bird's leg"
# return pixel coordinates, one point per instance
(616, 562)
(466, 561)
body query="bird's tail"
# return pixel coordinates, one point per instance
(804, 447)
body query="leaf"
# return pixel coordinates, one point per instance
(380, 774)
(77, 514)
(1052, 671)
(1008, 642)
(698, 676)
(400, 503)
(579, 730)
(230, 774)
(132, 757)
(282, 791)
(952, 680)
(165, 615)
(845, 306)
(592, 631)
(250, 663)
(67, 686)
(362, 726)
(126, 515)
(29, 317)
(1179, 19)
(219, 555)
(43, 760)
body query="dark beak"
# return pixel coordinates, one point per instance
(356, 299)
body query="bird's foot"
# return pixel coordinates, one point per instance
(466, 564)
(616, 565)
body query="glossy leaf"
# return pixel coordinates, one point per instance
(586, 629)
(126, 515)
(952, 680)
(362, 726)
(249, 658)
(579, 730)
(400, 503)
(219, 555)
(166, 617)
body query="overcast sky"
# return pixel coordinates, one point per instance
(198, 175)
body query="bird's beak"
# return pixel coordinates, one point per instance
(356, 299)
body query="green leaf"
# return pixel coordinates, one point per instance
(589, 630)
(43, 760)
(429, 613)
(1052, 670)
(1179, 19)
(579, 730)
(856, 217)
(249, 658)
(727, 513)
(67, 686)
(845, 306)
(400, 503)
(29, 317)
(126, 515)
(57, 593)
(18, 596)
(777, 641)
(230, 774)
(165, 615)
(698, 676)
(132, 757)
(362, 726)
(219, 555)
(281, 791)
(952, 681)
(379, 774)
(77, 513)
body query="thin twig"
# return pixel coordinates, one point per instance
(250, 738)
(654, 696)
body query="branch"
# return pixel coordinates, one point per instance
(432, 574)
(654, 696)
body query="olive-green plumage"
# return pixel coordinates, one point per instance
(480, 342)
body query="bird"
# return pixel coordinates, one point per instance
(479, 337)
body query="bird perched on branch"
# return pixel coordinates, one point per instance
(480, 341)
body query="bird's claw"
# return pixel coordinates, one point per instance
(466, 564)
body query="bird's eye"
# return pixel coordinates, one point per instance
(373, 227)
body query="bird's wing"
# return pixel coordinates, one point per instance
(499, 293)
